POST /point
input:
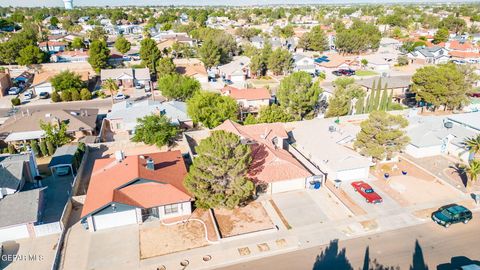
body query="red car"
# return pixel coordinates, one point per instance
(367, 192)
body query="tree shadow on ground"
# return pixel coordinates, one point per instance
(460, 170)
(418, 262)
(332, 258)
(374, 265)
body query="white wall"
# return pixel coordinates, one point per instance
(45, 87)
(353, 174)
(47, 229)
(13, 233)
(417, 152)
(184, 208)
(288, 185)
(115, 219)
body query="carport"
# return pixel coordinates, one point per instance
(65, 156)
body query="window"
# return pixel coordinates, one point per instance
(171, 209)
(118, 125)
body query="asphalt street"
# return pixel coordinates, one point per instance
(422, 247)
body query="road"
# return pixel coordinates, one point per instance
(436, 247)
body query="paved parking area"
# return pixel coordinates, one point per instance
(299, 209)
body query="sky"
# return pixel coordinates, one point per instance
(50, 3)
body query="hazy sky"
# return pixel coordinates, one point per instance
(50, 3)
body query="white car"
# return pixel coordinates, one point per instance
(14, 91)
(28, 96)
(120, 96)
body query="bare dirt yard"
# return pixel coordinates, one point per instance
(242, 220)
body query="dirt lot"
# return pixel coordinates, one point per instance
(157, 240)
(248, 219)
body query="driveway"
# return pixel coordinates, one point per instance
(299, 209)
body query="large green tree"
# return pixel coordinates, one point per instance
(56, 133)
(165, 66)
(360, 37)
(441, 35)
(98, 55)
(179, 87)
(315, 40)
(66, 80)
(30, 55)
(211, 109)
(218, 176)
(346, 94)
(210, 53)
(155, 130)
(280, 61)
(298, 94)
(122, 45)
(150, 54)
(382, 135)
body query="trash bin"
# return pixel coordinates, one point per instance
(317, 185)
(404, 172)
(337, 183)
(386, 175)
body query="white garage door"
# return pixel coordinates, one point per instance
(283, 186)
(115, 219)
(43, 88)
(13, 233)
(354, 174)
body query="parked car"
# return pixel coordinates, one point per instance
(147, 88)
(28, 95)
(367, 192)
(344, 72)
(43, 95)
(62, 171)
(139, 86)
(227, 81)
(120, 96)
(14, 91)
(451, 214)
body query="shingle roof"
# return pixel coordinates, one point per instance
(20, 208)
(11, 170)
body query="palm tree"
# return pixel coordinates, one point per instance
(473, 171)
(111, 86)
(473, 145)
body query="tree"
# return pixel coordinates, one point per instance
(360, 37)
(210, 54)
(155, 130)
(165, 66)
(453, 24)
(402, 60)
(77, 43)
(85, 94)
(176, 86)
(382, 135)
(280, 61)
(56, 97)
(30, 55)
(345, 97)
(15, 101)
(211, 109)
(35, 148)
(97, 33)
(75, 94)
(273, 114)
(43, 148)
(364, 62)
(98, 55)
(122, 45)
(54, 21)
(473, 145)
(298, 94)
(50, 148)
(67, 80)
(111, 86)
(315, 40)
(218, 177)
(441, 35)
(250, 120)
(55, 133)
(66, 95)
(473, 170)
(150, 54)
(11, 149)
(441, 85)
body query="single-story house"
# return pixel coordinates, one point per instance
(15, 171)
(52, 46)
(399, 84)
(70, 56)
(19, 213)
(122, 119)
(237, 70)
(436, 135)
(26, 126)
(303, 63)
(135, 189)
(192, 68)
(127, 77)
(327, 145)
(41, 81)
(380, 61)
(250, 99)
(273, 168)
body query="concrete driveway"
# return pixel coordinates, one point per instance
(299, 209)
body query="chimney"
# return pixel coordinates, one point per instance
(150, 164)
(119, 156)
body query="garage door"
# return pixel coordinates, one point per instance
(354, 174)
(114, 219)
(13, 233)
(283, 186)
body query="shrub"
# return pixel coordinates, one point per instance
(75, 94)
(43, 148)
(11, 149)
(51, 148)
(35, 149)
(16, 101)
(55, 97)
(85, 94)
(66, 96)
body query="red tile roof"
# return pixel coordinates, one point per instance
(247, 93)
(269, 163)
(460, 54)
(51, 43)
(460, 46)
(111, 181)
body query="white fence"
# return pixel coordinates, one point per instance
(47, 229)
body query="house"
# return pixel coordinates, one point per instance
(429, 55)
(5, 83)
(303, 63)
(237, 70)
(41, 81)
(127, 77)
(249, 99)
(70, 56)
(399, 84)
(192, 68)
(327, 145)
(52, 46)
(436, 135)
(135, 189)
(15, 171)
(381, 61)
(465, 57)
(273, 168)
(20, 213)
(122, 119)
(26, 126)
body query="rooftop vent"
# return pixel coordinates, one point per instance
(448, 124)
(331, 128)
(150, 164)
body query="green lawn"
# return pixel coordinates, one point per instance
(365, 73)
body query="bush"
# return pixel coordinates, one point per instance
(85, 94)
(75, 94)
(101, 94)
(35, 149)
(55, 97)
(11, 149)
(16, 101)
(66, 96)
(51, 148)
(43, 148)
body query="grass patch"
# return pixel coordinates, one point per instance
(365, 73)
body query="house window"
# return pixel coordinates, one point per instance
(171, 209)
(118, 125)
